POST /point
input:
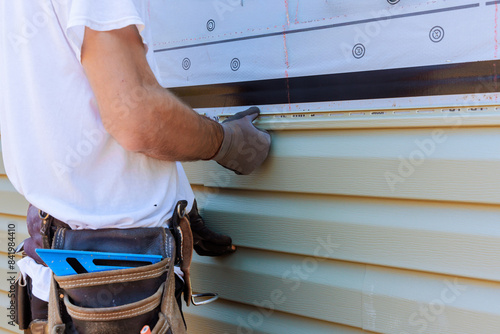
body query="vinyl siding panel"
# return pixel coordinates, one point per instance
(379, 299)
(229, 317)
(12, 211)
(320, 217)
(11, 202)
(462, 167)
(418, 235)
(4, 304)
(5, 272)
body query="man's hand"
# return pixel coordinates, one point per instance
(206, 241)
(244, 147)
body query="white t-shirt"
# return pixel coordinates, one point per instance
(56, 151)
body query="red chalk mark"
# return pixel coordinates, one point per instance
(286, 52)
(287, 13)
(297, 13)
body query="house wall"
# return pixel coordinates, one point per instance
(378, 208)
(327, 245)
(13, 209)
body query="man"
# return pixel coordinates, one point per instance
(88, 134)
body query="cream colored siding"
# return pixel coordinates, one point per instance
(224, 317)
(421, 257)
(12, 211)
(21, 234)
(4, 304)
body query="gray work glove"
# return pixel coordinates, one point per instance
(244, 147)
(207, 242)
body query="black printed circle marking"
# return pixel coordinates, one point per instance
(235, 64)
(210, 25)
(436, 34)
(393, 2)
(186, 64)
(358, 51)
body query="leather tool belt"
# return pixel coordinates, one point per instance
(116, 301)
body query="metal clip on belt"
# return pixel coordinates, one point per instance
(45, 228)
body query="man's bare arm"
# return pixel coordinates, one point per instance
(140, 114)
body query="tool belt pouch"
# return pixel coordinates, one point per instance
(117, 301)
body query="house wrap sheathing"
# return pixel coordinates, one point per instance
(378, 208)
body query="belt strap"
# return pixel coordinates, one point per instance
(46, 230)
(41, 228)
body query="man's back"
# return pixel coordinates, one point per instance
(83, 177)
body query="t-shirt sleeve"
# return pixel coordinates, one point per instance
(101, 15)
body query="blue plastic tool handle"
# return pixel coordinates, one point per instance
(63, 262)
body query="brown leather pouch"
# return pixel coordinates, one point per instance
(117, 301)
(22, 303)
(120, 301)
